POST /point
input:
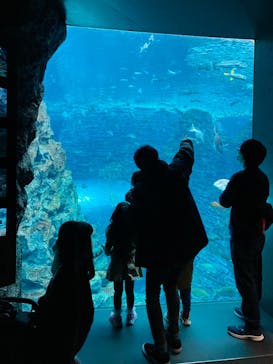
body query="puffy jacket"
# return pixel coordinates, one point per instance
(167, 221)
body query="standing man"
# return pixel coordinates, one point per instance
(246, 194)
(170, 232)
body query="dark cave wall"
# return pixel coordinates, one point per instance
(33, 30)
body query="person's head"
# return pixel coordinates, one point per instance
(252, 153)
(73, 247)
(145, 157)
(122, 213)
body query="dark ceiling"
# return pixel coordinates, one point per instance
(251, 19)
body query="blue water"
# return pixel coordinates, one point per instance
(108, 92)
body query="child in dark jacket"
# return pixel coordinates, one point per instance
(246, 194)
(122, 270)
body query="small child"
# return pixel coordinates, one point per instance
(121, 248)
(184, 287)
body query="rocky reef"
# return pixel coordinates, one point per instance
(52, 200)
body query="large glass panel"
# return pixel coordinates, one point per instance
(108, 92)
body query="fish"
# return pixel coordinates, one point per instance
(216, 204)
(231, 63)
(232, 75)
(221, 184)
(147, 44)
(171, 72)
(198, 133)
(131, 135)
(218, 144)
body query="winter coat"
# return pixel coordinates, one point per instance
(66, 310)
(246, 194)
(120, 245)
(167, 221)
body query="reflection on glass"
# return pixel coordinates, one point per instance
(3, 221)
(3, 183)
(108, 92)
(3, 143)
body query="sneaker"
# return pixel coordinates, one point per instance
(155, 356)
(186, 321)
(115, 319)
(174, 343)
(241, 332)
(131, 317)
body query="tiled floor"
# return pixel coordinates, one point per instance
(206, 340)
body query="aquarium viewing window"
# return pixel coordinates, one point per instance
(108, 92)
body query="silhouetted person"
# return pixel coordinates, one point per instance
(120, 245)
(58, 328)
(66, 310)
(170, 232)
(246, 194)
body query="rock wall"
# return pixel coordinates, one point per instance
(32, 30)
(52, 200)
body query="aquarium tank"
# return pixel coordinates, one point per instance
(106, 93)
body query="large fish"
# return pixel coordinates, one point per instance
(231, 63)
(221, 184)
(232, 75)
(218, 144)
(199, 135)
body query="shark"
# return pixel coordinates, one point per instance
(199, 135)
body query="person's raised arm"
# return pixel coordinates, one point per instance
(183, 160)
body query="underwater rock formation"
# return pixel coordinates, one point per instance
(52, 200)
(32, 32)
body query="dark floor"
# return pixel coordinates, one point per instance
(206, 340)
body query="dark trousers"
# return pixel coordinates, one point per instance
(129, 290)
(185, 295)
(155, 277)
(247, 265)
